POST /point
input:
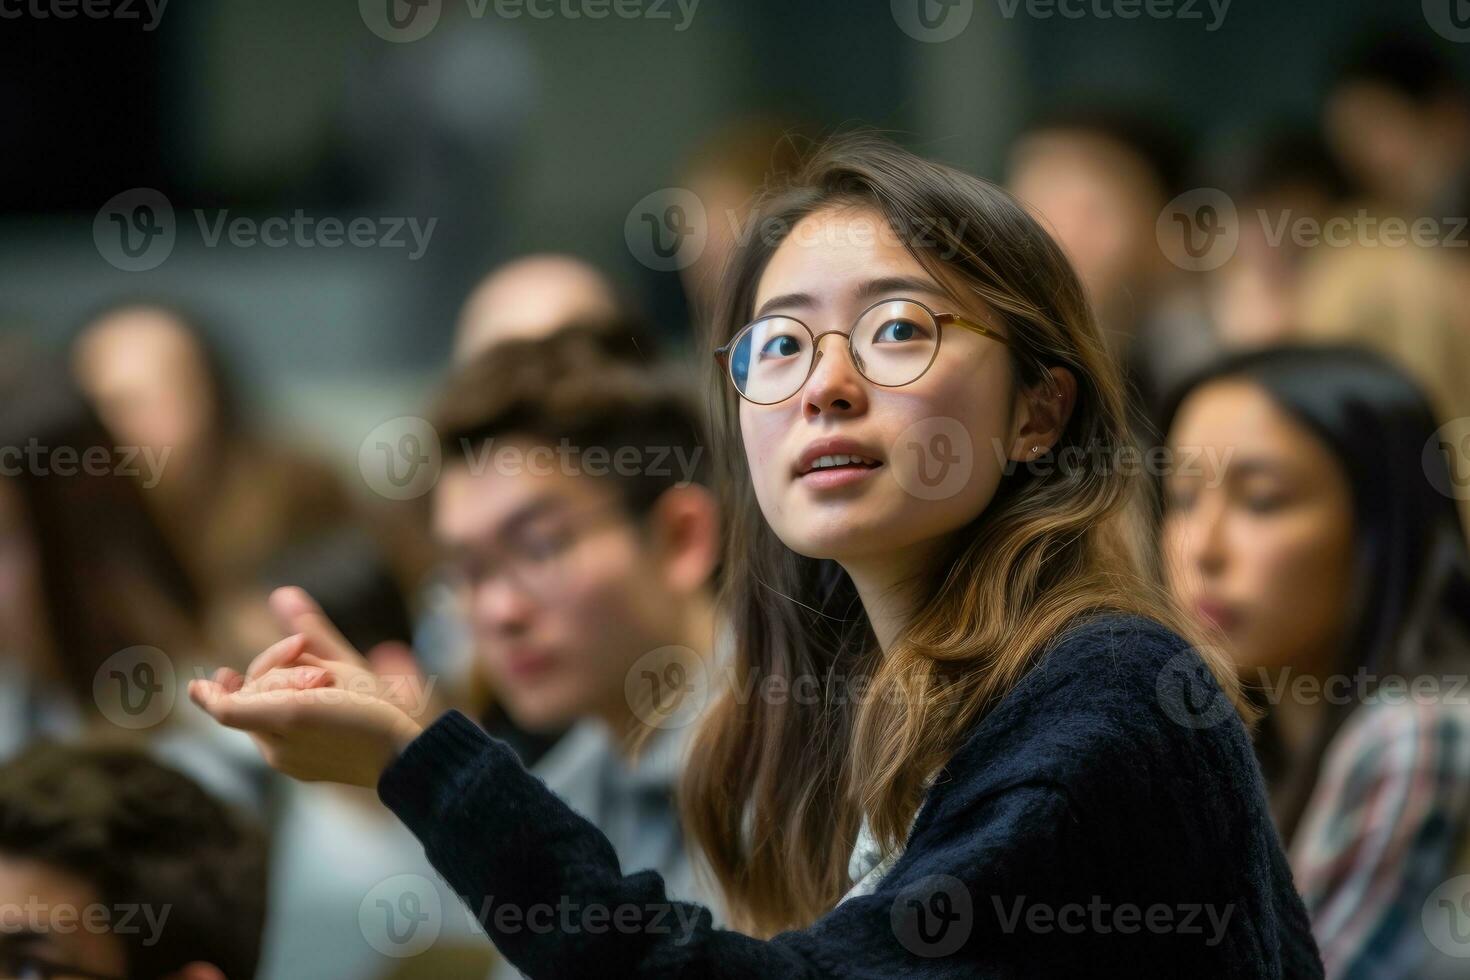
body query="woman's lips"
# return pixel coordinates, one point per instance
(831, 477)
(528, 666)
(1217, 613)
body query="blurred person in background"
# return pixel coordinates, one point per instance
(228, 497)
(1099, 180)
(1399, 121)
(573, 572)
(531, 297)
(85, 575)
(727, 170)
(1276, 183)
(1312, 531)
(113, 867)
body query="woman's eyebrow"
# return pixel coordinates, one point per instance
(872, 289)
(799, 300)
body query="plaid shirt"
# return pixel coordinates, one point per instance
(1385, 827)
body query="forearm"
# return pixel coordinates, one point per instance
(546, 884)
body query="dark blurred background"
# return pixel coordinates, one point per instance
(523, 134)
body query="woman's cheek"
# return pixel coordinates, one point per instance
(1294, 598)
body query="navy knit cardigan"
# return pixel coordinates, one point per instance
(1107, 817)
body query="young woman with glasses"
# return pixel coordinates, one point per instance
(1038, 773)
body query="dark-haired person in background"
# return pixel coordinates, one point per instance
(1313, 530)
(1098, 179)
(1277, 181)
(577, 519)
(114, 867)
(86, 574)
(228, 498)
(1399, 120)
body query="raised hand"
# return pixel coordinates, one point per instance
(313, 704)
(315, 720)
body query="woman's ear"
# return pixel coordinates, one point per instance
(1041, 414)
(686, 534)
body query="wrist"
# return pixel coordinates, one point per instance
(404, 731)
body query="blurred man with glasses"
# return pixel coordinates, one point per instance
(583, 541)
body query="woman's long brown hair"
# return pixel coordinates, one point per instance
(775, 790)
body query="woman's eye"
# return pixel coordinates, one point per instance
(897, 331)
(782, 346)
(1178, 498)
(1264, 503)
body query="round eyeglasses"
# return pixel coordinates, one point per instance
(892, 344)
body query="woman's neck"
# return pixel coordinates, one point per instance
(884, 583)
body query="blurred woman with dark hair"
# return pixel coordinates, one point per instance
(92, 595)
(227, 499)
(1319, 539)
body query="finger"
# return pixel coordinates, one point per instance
(298, 612)
(290, 678)
(278, 654)
(268, 713)
(229, 679)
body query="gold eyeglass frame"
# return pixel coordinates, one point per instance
(722, 354)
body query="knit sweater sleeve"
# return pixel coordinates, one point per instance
(547, 887)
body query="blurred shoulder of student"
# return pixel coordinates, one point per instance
(113, 866)
(228, 496)
(576, 514)
(1307, 524)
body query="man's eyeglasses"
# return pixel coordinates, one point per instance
(893, 343)
(533, 561)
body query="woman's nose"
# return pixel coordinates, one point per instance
(835, 385)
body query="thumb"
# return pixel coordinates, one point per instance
(297, 612)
